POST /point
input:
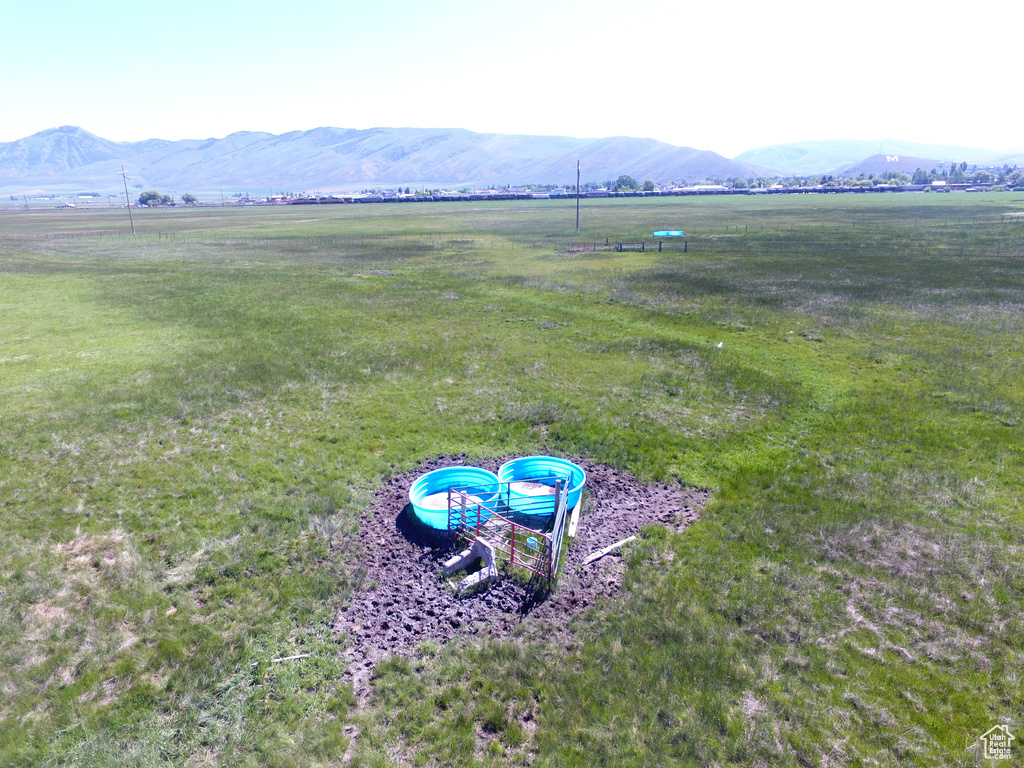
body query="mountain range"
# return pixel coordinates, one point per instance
(69, 159)
(849, 157)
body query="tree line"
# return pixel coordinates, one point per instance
(152, 197)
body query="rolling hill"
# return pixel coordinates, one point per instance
(70, 158)
(833, 156)
(877, 164)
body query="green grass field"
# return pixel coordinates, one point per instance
(192, 420)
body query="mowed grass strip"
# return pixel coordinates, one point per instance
(193, 421)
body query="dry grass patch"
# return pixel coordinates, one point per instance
(922, 593)
(102, 551)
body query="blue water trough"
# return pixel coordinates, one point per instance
(429, 493)
(532, 478)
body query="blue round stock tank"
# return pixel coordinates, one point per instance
(429, 493)
(543, 470)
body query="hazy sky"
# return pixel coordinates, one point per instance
(724, 76)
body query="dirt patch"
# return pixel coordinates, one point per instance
(403, 601)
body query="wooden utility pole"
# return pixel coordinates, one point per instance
(577, 195)
(128, 200)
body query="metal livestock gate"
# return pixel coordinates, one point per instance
(499, 522)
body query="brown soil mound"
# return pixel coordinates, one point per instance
(404, 601)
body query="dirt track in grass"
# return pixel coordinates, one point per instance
(403, 602)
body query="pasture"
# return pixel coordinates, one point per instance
(192, 422)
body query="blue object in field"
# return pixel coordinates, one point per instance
(477, 482)
(669, 233)
(542, 469)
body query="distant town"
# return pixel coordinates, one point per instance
(960, 179)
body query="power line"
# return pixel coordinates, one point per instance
(124, 178)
